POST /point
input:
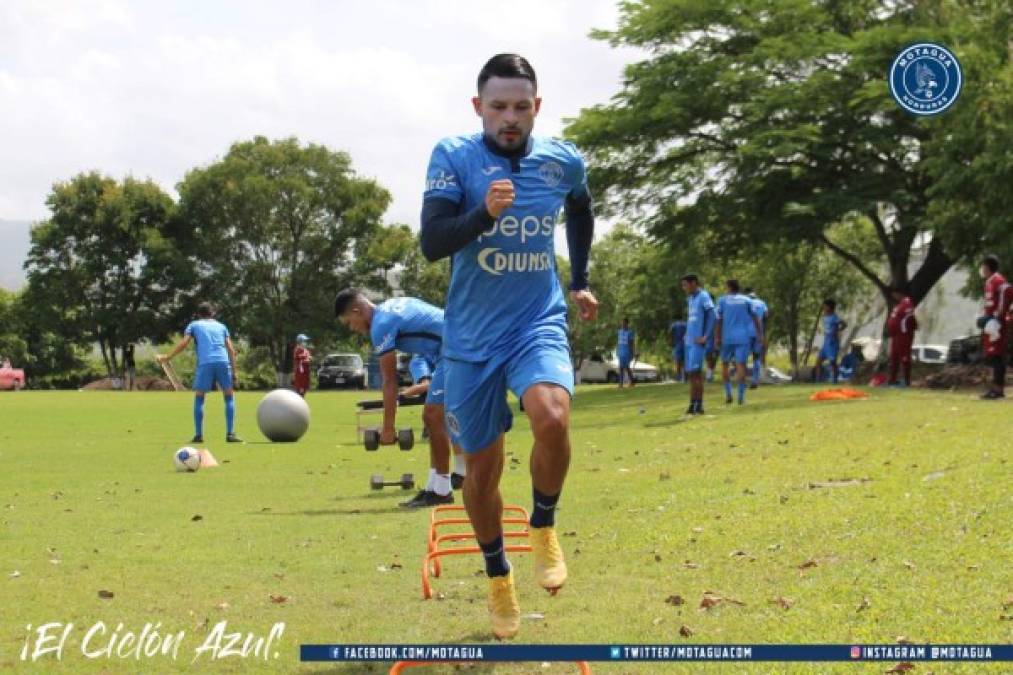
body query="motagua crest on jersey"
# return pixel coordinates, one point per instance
(925, 79)
(551, 173)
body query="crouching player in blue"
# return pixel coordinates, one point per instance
(216, 364)
(491, 202)
(699, 334)
(735, 329)
(833, 326)
(677, 338)
(416, 327)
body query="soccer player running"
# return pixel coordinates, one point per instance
(735, 317)
(900, 327)
(995, 324)
(491, 202)
(413, 326)
(625, 351)
(677, 338)
(216, 364)
(699, 332)
(758, 343)
(301, 358)
(833, 326)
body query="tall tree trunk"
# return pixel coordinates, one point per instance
(105, 357)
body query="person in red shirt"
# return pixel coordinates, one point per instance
(901, 327)
(301, 358)
(994, 324)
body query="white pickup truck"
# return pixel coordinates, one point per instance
(605, 368)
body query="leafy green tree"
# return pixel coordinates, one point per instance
(104, 268)
(760, 121)
(387, 248)
(426, 280)
(278, 228)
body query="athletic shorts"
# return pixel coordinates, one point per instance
(738, 352)
(437, 391)
(679, 353)
(210, 373)
(476, 400)
(420, 368)
(625, 358)
(828, 352)
(695, 357)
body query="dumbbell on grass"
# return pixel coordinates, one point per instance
(407, 482)
(405, 439)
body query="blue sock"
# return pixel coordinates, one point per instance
(728, 389)
(496, 564)
(230, 413)
(198, 415)
(756, 371)
(544, 512)
(742, 391)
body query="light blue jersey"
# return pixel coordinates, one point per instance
(503, 285)
(209, 336)
(699, 317)
(760, 312)
(831, 330)
(626, 338)
(409, 325)
(735, 312)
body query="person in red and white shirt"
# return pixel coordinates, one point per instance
(995, 324)
(901, 327)
(301, 358)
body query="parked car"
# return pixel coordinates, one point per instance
(341, 370)
(11, 378)
(935, 354)
(404, 374)
(601, 368)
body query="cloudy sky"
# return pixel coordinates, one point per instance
(152, 89)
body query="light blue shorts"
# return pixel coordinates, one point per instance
(695, 357)
(210, 373)
(738, 352)
(437, 392)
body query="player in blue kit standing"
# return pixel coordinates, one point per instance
(216, 365)
(491, 202)
(758, 343)
(735, 329)
(677, 338)
(833, 326)
(413, 326)
(699, 333)
(626, 350)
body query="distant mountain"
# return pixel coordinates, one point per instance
(15, 241)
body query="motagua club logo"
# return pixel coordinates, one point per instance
(925, 79)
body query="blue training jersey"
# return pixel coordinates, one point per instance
(831, 329)
(699, 317)
(209, 337)
(407, 324)
(503, 285)
(760, 312)
(735, 312)
(626, 337)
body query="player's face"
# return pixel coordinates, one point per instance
(688, 287)
(508, 107)
(984, 272)
(354, 320)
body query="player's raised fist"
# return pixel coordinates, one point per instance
(499, 197)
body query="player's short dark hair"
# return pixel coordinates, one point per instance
(507, 65)
(991, 262)
(345, 298)
(733, 285)
(205, 310)
(831, 303)
(691, 278)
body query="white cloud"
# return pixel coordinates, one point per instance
(154, 89)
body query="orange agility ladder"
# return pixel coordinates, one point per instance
(401, 666)
(431, 561)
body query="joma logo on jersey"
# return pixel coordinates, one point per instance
(441, 181)
(526, 227)
(494, 261)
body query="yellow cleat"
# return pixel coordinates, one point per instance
(550, 568)
(504, 612)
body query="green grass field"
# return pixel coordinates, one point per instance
(912, 540)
